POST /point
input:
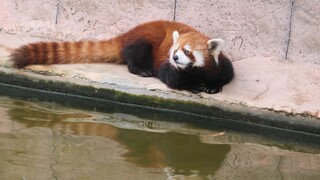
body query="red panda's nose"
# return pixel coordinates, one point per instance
(175, 57)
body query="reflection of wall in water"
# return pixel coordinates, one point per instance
(249, 161)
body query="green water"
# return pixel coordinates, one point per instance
(43, 139)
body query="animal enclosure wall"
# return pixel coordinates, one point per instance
(288, 29)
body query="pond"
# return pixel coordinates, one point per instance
(52, 138)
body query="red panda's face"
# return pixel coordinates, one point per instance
(188, 51)
(193, 50)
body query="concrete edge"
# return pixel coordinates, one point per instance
(157, 99)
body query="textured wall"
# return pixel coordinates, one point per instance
(79, 19)
(305, 32)
(287, 29)
(251, 28)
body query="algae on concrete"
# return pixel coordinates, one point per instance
(265, 91)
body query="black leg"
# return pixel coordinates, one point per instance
(177, 79)
(169, 76)
(138, 57)
(192, 80)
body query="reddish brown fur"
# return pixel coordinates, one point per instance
(158, 33)
(197, 42)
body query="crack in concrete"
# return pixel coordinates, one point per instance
(235, 40)
(281, 160)
(53, 147)
(175, 10)
(58, 11)
(290, 29)
(16, 4)
(260, 94)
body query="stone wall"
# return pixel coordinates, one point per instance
(288, 29)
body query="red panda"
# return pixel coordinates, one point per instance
(179, 55)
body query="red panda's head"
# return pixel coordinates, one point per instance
(194, 50)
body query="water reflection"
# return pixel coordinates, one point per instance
(45, 140)
(177, 153)
(184, 154)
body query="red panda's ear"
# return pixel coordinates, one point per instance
(175, 36)
(215, 46)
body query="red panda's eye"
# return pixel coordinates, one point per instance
(186, 51)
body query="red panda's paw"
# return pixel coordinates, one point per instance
(206, 89)
(198, 89)
(140, 71)
(195, 91)
(145, 73)
(213, 90)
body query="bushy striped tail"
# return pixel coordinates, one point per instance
(66, 53)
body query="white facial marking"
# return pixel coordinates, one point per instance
(172, 50)
(187, 47)
(176, 46)
(182, 61)
(175, 36)
(215, 46)
(199, 58)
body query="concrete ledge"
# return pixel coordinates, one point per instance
(265, 91)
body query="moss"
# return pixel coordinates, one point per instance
(205, 113)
